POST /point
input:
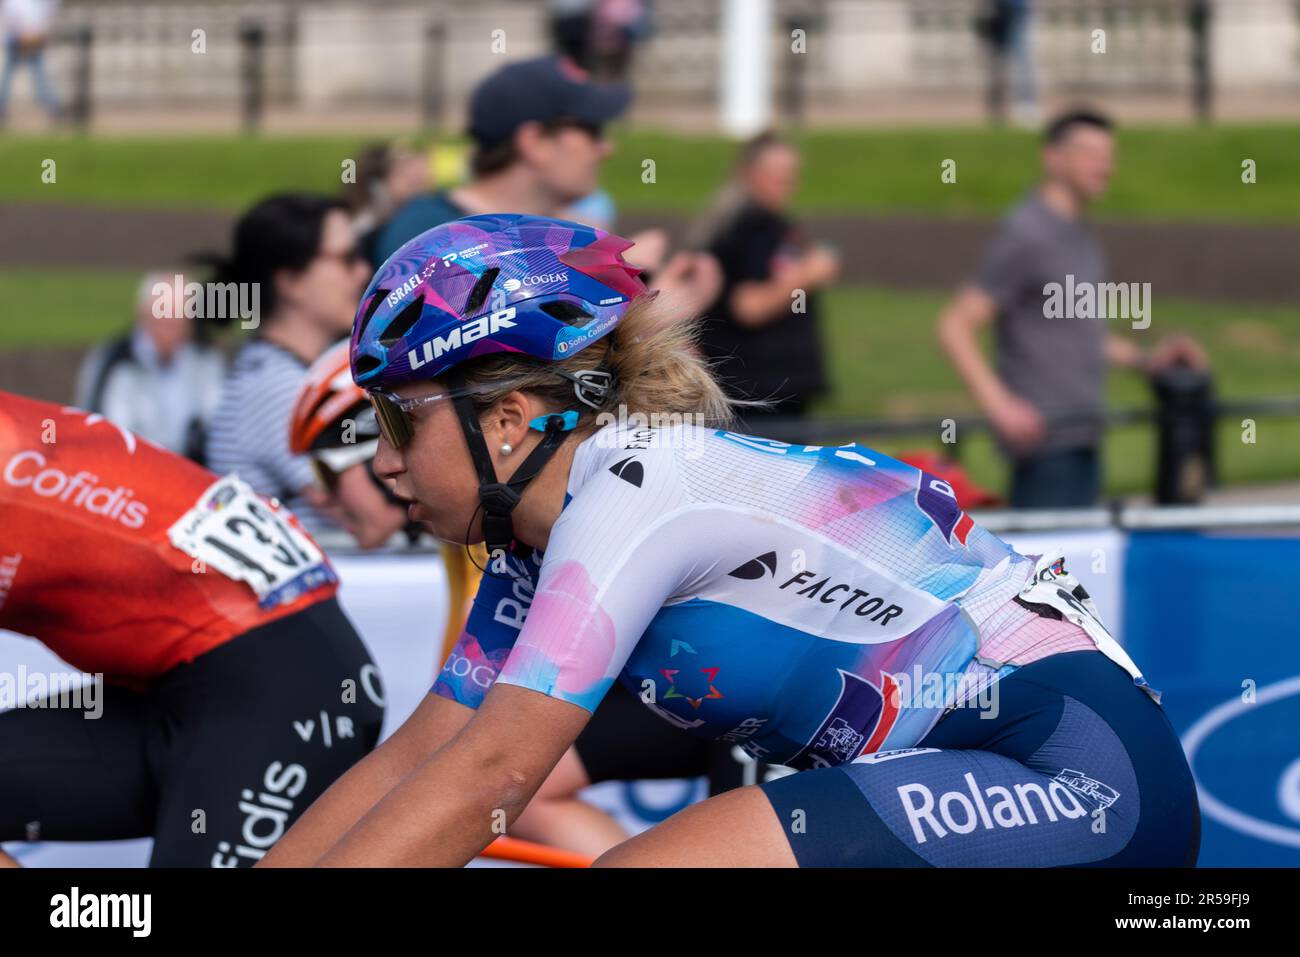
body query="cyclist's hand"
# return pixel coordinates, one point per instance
(327, 505)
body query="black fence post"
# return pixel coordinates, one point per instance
(252, 41)
(1198, 13)
(431, 85)
(82, 94)
(1185, 419)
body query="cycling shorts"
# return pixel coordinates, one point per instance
(215, 761)
(1074, 766)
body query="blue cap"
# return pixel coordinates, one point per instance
(546, 88)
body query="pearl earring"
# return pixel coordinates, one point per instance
(506, 448)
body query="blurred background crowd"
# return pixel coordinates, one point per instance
(865, 200)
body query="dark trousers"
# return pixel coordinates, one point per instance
(1066, 479)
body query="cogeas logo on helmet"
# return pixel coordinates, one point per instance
(462, 335)
(544, 279)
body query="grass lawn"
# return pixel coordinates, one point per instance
(884, 364)
(1164, 173)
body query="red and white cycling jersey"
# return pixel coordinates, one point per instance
(126, 559)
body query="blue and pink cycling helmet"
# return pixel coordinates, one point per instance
(443, 298)
(539, 288)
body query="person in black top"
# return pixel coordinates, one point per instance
(762, 333)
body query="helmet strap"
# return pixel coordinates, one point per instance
(500, 498)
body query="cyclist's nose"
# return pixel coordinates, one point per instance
(387, 462)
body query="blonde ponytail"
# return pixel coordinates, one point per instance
(654, 356)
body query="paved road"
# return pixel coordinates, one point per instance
(1228, 263)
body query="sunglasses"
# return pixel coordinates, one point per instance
(393, 413)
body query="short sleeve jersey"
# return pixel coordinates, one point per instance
(745, 589)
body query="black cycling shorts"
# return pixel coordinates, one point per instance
(214, 762)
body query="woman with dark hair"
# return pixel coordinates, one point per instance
(295, 255)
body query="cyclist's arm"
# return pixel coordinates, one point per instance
(443, 813)
(434, 723)
(592, 606)
(445, 710)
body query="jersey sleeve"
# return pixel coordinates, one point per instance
(608, 570)
(495, 618)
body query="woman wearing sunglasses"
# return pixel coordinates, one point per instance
(298, 254)
(945, 700)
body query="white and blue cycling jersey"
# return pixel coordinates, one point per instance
(834, 610)
(813, 603)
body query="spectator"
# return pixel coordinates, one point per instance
(1021, 55)
(299, 252)
(388, 175)
(762, 333)
(616, 27)
(157, 379)
(1004, 25)
(539, 141)
(26, 25)
(571, 29)
(1046, 398)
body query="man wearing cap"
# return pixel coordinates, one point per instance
(538, 131)
(539, 141)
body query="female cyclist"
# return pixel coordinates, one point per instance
(334, 423)
(945, 700)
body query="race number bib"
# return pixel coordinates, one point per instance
(1052, 585)
(243, 537)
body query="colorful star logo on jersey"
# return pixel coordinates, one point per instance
(711, 675)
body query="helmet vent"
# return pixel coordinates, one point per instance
(567, 312)
(375, 302)
(403, 322)
(478, 295)
(366, 365)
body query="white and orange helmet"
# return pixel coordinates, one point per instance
(332, 420)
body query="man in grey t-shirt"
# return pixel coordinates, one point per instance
(1046, 394)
